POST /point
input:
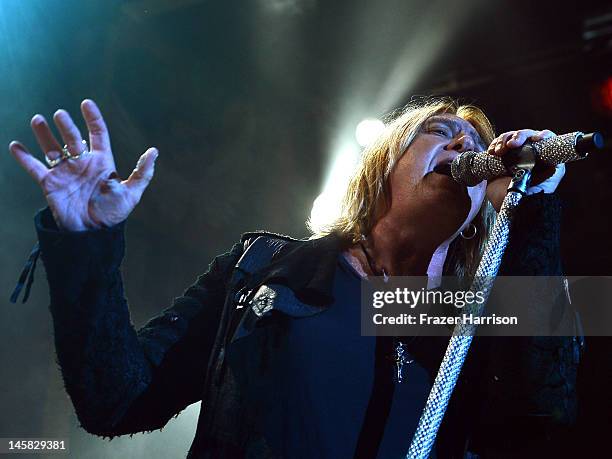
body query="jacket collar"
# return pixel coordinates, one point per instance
(307, 267)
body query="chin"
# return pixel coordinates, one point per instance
(442, 180)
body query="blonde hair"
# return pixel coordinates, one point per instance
(367, 196)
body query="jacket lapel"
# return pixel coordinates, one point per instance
(307, 268)
(297, 282)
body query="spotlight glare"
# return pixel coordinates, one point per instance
(324, 210)
(326, 206)
(368, 130)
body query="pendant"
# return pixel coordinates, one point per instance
(401, 360)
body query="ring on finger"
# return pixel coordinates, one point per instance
(67, 155)
(53, 162)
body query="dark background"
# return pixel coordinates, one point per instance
(247, 102)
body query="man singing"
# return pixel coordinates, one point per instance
(269, 338)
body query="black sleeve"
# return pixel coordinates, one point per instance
(528, 384)
(121, 380)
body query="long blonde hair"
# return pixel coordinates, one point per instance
(367, 196)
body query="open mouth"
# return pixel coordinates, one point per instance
(444, 169)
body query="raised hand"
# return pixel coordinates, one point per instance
(83, 189)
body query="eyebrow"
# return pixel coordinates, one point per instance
(458, 127)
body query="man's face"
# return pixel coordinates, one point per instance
(433, 196)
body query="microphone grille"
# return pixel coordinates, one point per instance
(471, 168)
(461, 169)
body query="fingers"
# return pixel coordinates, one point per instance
(498, 145)
(515, 139)
(545, 134)
(141, 176)
(559, 172)
(520, 137)
(45, 138)
(98, 133)
(70, 135)
(69, 132)
(32, 166)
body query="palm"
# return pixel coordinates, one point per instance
(84, 193)
(70, 188)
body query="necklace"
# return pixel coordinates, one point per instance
(400, 356)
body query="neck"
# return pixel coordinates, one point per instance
(406, 251)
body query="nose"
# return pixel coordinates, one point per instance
(461, 142)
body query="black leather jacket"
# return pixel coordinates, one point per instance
(123, 381)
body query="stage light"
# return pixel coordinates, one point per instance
(368, 130)
(601, 96)
(326, 206)
(384, 70)
(606, 94)
(324, 209)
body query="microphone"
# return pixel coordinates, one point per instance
(470, 168)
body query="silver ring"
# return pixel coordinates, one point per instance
(68, 155)
(65, 154)
(53, 162)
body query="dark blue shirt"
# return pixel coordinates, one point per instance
(310, 382)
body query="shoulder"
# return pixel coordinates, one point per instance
(287, 244)
(260, 248)
(247, 238)
(278, 242)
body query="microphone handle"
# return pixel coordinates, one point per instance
(471, 168)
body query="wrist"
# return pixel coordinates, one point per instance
(49, 222)
(75, 225)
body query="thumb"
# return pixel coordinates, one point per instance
(142, 174)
